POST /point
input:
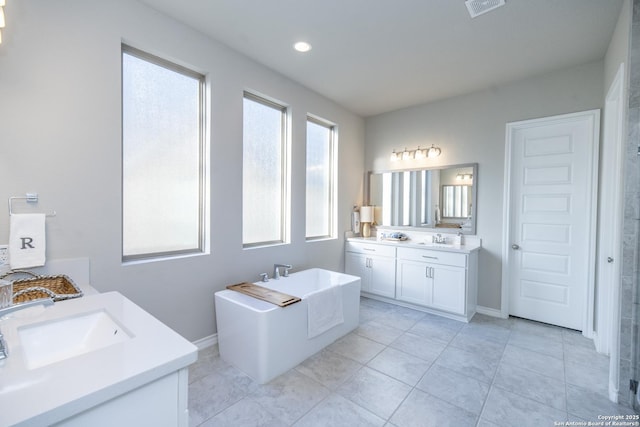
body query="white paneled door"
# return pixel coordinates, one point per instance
(549, 240)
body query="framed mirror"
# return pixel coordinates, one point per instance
(441, 198)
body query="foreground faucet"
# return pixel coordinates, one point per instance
(4, 350)
(276, 270)
(15, 307)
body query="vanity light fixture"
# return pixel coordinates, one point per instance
(464, 177)
(2, 21)
(418, 153)
(302, 47)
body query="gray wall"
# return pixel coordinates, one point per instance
(60, 136)
(471, 128)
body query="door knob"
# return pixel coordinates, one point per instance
(609, 259)
(514, 246)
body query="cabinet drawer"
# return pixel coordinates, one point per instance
(371, 249)
(434, 257)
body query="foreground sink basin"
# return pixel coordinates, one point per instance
(49, 342)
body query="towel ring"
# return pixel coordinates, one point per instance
(30, 198)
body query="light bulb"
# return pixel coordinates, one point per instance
(1, 17)
(300, 46)
(394, 156)
(433, 151)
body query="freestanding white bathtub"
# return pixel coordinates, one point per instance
(264, 340)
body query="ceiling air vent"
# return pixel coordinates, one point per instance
(479, 7)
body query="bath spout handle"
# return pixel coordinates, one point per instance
(286, 270)
(276, 270)
(264, 277)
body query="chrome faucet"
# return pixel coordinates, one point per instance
(15, 307)
(264, 277)
(4, 350)
(439, 238)
(276, 270)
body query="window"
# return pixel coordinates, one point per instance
(264, 172)
(162, 157)
(456, 201)
(320, 203)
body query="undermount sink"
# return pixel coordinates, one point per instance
(49, 342)
(446, 245)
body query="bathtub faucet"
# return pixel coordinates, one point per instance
(276, 270)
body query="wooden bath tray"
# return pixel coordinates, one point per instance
(265, 294)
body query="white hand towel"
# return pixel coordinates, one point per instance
(27, 240)
(324, 310)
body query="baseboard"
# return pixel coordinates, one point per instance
(489, 311)
(205, 342)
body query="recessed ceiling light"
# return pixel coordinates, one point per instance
(302, 47)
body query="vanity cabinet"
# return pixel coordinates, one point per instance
(438, 280)
(375, 265)
(432, 278)
(162, 402)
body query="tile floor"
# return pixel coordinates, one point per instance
(402, 367)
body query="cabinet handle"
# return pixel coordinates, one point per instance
(430, 257)
(429, 272)
(369, 249)
(433, 272)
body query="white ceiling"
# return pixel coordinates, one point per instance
(374, 56)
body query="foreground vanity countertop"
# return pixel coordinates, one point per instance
(57, 390)
(464, 248)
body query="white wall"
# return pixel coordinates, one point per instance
(471, 129)
(618, 51)
(60, 136)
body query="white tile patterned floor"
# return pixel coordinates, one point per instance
(402, 367)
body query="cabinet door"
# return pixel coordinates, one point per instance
(358, 265)
(413, 285)
(449, 288)
(383, 276)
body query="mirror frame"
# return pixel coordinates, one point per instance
(474, 195)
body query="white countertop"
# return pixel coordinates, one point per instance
(49, 394)
(465, 248)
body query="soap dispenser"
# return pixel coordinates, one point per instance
(459, 239)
